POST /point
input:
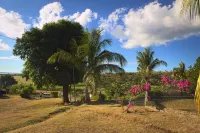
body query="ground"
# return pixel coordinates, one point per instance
(47, 115)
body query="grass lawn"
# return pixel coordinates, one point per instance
(16, 112)
(28, 116)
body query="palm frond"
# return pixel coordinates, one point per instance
(105, 43)
(157, 63)
(108, 68)
(107, 56)
(63, 57)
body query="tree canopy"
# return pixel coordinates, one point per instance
(7, 80)
(37, 45)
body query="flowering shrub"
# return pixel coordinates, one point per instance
(166, 80)
(136, 90)
(182, 85)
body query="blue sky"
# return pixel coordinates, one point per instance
(131, 24)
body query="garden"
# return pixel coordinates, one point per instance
(72, 82)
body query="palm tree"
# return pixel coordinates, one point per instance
(99, 61)
(72, 58)
(192, 7)
(146, 64)
(180, 71)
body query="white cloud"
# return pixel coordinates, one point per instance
(9, 58)
(84, 18)
(153, 24)
(11, 23)
(52, 13)
(111, 23)
(49, 13)
(4, 46)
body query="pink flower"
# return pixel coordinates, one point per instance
(130, 105)
(147, 87)
(175, 82)
(165, 80)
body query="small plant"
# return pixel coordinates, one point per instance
(134, 92)
(54, 94)
(27, 91)
(15, 89)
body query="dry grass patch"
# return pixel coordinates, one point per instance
(181, 104)
(108, 118)
(21, 80)
(16, 112)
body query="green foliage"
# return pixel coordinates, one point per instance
(147, 63)
(115, 90)
(193, 73)
(180, 72)
(99, 60)
(95, 97)
(37, 45)
(15, 89)
(99, 97)
(7, 80)
(27, 91)
(54, 94)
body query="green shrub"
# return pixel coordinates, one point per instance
(27, 91)
(54, 94)
(102, 97)
(95, 97)
(15, 89)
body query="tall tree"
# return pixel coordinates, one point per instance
(72, 58)
(99, 61)
(37, 45)
(180, 71)
(191, 8)
(91, 52)
(146, 64)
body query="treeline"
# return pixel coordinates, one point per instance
(131, 77)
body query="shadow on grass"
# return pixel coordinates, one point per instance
(159, 105)
(4, 97)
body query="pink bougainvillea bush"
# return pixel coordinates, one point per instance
(135, 91)
(181, 85)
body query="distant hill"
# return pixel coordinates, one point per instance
(11, 73)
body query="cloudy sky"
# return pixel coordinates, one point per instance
(131, 24)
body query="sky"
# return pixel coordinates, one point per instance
(131, 24)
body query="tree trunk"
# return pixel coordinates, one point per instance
(145, 99)
(95, 90)
(65, 94)
(74, 86)
(87, 96)
(146, 92)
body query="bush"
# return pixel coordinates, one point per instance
(95, 97)
(15, 89)
(27, 91)
(7, 80)
(54, 94)
(102, 97)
